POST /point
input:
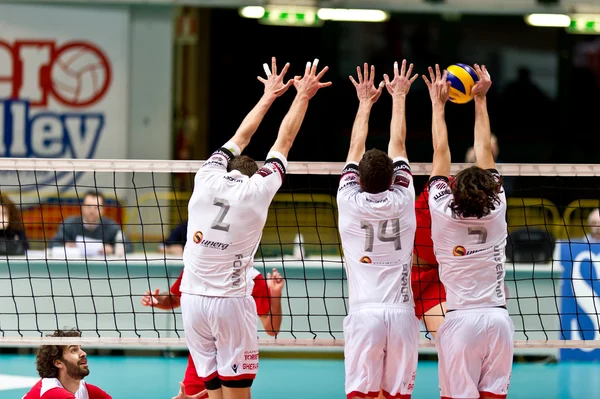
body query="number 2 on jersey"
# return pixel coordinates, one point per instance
(218, 224)
(382, 234)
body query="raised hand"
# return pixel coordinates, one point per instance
(310, 83)
(275, 282)
(274, 84)
(439, 87)
(402, 80)
(183, 395)
(152, 298)
(365, 88)
(485, 82)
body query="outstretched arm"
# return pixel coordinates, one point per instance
(274, 87)
(483, 133)
(368, 95)
(272, 321)
(398, 89)
(439, 91)
(306, 88)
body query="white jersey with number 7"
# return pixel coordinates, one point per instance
(226, 216)
(470, 251)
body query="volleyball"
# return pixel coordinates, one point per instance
(462, 78)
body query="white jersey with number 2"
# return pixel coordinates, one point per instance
(226, 215)
(378, 233)
(470, 251)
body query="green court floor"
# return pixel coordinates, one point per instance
(157, 378)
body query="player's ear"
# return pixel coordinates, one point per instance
(58, 364)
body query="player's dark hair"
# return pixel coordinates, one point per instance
(93, 193)
(48, 354)
(475, 193)
(375, 170)
(246, 165)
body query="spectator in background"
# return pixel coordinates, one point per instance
(174, 244)
(12, 232)
(94, 228)
(594, 225)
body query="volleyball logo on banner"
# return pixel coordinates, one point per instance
(580, 297)
(48, 95)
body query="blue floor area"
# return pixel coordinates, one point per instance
(157, 378)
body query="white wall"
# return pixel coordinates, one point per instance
(151, 76)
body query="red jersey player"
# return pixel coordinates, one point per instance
(428, 290)
(63, 368)
(266, 294)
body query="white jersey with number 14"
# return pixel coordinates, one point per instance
(226, 215)
(378, 232)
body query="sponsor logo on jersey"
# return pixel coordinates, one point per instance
(401, 180)
(442, 194)
(365, 259)
(440, 186)
(234, 368)
(233, 179)
(459, 250)
(376, 201)
(398, 166)
(199, 239)
(264, 171)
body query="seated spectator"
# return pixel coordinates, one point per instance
(594, 225)
(12, 232)
(62, 369)
(175, 243)
(92, 233)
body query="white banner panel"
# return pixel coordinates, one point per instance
(63, 87)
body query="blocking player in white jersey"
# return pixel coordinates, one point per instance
(226, 215)
(468, 228)
(376, 201)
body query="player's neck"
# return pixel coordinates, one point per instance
(69, 383)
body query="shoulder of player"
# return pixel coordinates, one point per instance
(96, 393)
(73, 220)
(58, 393)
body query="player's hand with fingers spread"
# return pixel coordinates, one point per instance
(402, 80)
(365, 88)
(183, 395)
(310, 83)
(275, 282)
(274, 83)
(152, 298)
(485, 82)
(439, 87)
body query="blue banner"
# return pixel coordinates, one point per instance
(580, 297)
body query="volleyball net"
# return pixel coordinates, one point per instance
(59, 282)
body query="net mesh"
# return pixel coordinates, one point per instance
(552, 273)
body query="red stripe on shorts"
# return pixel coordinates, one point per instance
(210, 377)
(492, 395)
(388, 395)
(356, 394)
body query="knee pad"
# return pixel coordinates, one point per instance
(213, 384)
